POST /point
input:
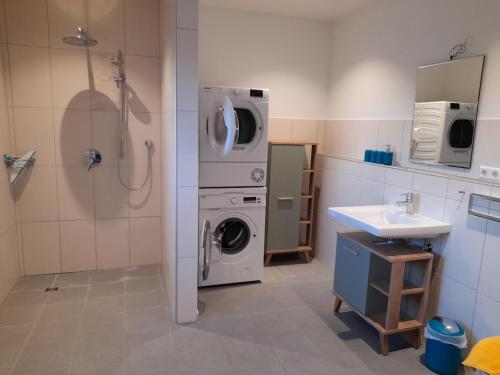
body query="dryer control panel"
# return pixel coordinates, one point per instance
(233, 199)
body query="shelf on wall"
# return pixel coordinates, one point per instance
(408, 288)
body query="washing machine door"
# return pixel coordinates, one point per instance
(461, 133)
(232, 236)
(234, 131)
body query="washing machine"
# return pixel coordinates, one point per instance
(233, 134)
(443, 133)
(232, 229)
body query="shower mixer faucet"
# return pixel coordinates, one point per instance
(92, 157)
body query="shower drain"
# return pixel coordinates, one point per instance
(52, 289)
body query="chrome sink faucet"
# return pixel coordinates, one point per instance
(409, 202)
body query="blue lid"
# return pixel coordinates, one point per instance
(445, 326)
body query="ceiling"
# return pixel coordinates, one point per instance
(317, 9)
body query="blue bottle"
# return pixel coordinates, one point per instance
(388, 155)
(368, 155)
(379, 157)
(373, 156)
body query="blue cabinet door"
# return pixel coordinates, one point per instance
(352, 269)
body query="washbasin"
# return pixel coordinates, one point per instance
(390, 221)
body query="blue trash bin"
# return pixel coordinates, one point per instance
(445, 341)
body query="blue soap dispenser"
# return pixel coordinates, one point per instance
(388, 155)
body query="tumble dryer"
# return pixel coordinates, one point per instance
(233, 130)
(443, 133)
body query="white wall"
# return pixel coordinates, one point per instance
(375, 53)
(288, 55)
(179, 58)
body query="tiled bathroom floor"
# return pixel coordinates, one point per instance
(117, 322)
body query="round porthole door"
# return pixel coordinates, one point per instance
(233, 235)
(461, 133)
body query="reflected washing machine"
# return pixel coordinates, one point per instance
(232, 229)
(443, 133)
(233, 131)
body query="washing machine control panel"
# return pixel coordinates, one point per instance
(247, 200)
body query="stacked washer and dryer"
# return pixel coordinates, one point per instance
(233, 130)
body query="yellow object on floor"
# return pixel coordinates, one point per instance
(485, 356)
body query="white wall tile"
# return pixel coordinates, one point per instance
(112, 243)
(393, 194)
(490, 276)
(72, 136)
(486, 322)
(106, 136)
(348, 138)
(430, 205)
(26, 22)
(41, 248)
(34, 130)
(187, 70)
(463, 248)
(455, 187)
(143, 77)
(304, 130)
(75, 193)
(111, 198)
(187, 290)
(142, 27)
(70, 79)
(399, 178)
(37, 194)
(435, 185)
(187, 219)
(30, 76)
(143, 126)
(106, 24)
(455, 301)
(280, 129)
(374, 172)
(391, 133)
(331, 143)
(145, 241)
(367, 137)
(187, 14)
(77, 245)
(187, 148)
(64, 18)
(105, 96)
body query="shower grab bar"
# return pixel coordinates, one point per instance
(490, 199)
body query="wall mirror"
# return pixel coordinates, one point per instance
(444, 119)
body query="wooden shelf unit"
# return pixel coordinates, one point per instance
(307, 204)
(398, 317)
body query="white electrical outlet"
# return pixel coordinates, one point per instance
(490, 173)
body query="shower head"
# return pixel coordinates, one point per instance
(81, 39)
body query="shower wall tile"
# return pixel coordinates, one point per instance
(30, 76)
(142, 27)
(106, 24)
(41, 248)
(77, 245)
(60, 100)
(111, 198)
(10, 270)
(37, 194)
(145, 241)
(105, 96)
(112, 243)
(142, 126)
(34, 130)
(72, 136)
(64, 18)
(26, 22)
(146, 201)
(106, 136)
(304, 130)
(3, 33)
(143, 77)
(75, 193)
(70, 79)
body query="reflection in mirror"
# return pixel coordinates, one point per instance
(445, 113)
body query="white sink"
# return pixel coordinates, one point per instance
(390, 221)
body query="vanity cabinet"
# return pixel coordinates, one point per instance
(386, 284)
